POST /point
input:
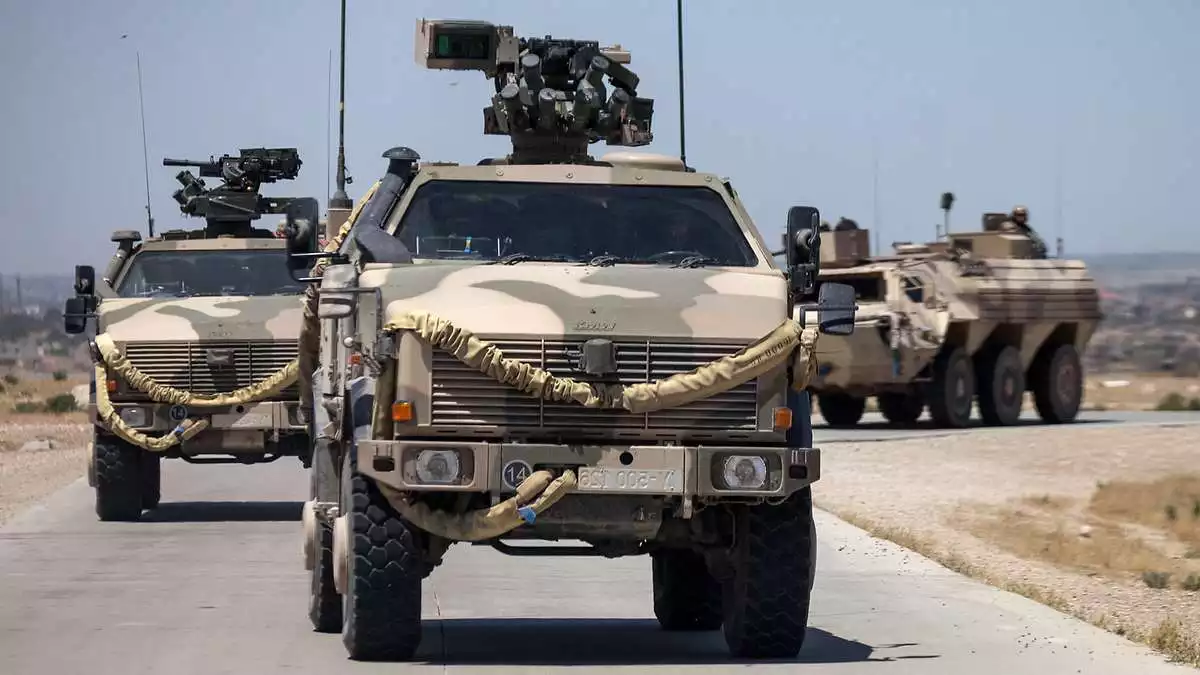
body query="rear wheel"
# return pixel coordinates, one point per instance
(151, 479)
(686, 596)
(952, 390)
(1058, 384)
(118, 479)
(773, 563)
(381, 608)
(901, 409)
(841, 410)
(1001, 386)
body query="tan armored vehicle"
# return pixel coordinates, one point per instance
(549, 346)
(976, 318)
(195, 344)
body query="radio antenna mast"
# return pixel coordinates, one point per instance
(329, 126)
(340, 199)
(145, 151)
(679, 43)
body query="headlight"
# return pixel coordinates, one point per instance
(134, 417)
(744, 472)
(438, 467)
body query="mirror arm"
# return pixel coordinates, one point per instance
(334, 259)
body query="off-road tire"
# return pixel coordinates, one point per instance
(686, 596)
(766, 598)
(952, 390)
(901, 409)
(324, 602)
(1001, 386)
(841, 410)
(382, 606)
(1058, 384)
(118, 480)
(151, 479)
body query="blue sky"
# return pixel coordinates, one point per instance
(795, 101)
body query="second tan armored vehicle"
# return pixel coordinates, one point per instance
(972, 321)
(195, 345)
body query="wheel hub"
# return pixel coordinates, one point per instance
(341, 553)
(1066, 382)
(308, 520)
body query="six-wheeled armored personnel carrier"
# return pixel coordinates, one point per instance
(973, 320)
(195, 345)
(550, 346)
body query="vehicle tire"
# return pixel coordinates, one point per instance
(1058, 384)
(151, 470)
(1001, 386)
(686, 596)
(841, 410)
(118, 480)
(901, 409)
(382, 606)
(953, 389)
(766, 599)
(324, 602)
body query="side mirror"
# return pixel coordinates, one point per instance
(835, 309)
(85, 280)
(303, 242)
(339, 292)
(802, 248)
(75, 315)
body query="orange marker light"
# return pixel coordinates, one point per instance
(783, 419)
(355, 359)
(111, 385)
(402, 411)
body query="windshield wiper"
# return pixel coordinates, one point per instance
(605, 260)
(695, 261)
(514, 258)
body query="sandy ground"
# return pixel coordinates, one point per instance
(932, 492)
(28, 475)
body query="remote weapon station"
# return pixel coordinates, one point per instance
(196, 335)
(550, 346)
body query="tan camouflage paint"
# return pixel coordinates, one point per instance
(174, 324)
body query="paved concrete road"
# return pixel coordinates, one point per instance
(211, 585)
(874, 428)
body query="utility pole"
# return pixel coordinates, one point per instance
(875, 224)
(340, 205)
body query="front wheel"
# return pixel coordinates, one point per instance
(952, 390)
(381, 607)
(118, 473)
(766, 599)
(686, 596)
(841, 410)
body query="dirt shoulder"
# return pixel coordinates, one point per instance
(1085, 520)
(39, 454)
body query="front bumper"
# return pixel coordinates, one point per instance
(148, 417)
(679, 471)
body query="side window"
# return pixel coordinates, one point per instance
(914, 288)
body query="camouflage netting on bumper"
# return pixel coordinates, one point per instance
(789, 340)
(111, 359)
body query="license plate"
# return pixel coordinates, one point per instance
(243, 421)
(607, 479)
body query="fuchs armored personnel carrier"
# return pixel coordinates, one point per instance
(972, 320)
(195, 348)
(551, 346)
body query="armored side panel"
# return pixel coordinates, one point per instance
(848, 247)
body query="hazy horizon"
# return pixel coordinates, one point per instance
(1071, 108)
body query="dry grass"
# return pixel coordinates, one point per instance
(1139, 391)
(30, 389)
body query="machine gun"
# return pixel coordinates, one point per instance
(230, 208)
(550, 96)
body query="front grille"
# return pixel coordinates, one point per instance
(462, 396)
(186, 366)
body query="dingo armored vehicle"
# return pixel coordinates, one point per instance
(973, 320)
(196, 336)
(551, 346)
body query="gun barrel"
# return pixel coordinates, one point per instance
(167, 161)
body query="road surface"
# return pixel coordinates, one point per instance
(213, 583)
(874, 428)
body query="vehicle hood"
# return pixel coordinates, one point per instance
(274, 317)
(560, 300)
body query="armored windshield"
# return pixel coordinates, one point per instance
(478, 220)
(181, 274)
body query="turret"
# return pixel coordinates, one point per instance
(550, 95)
